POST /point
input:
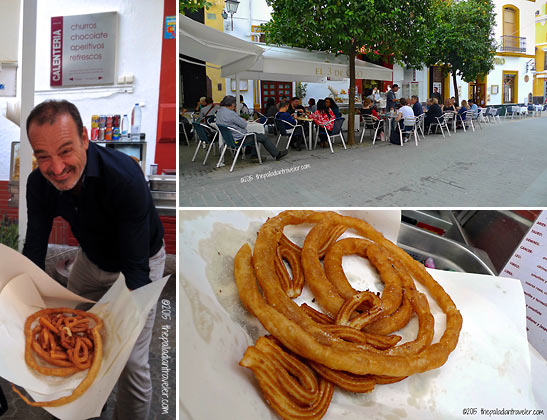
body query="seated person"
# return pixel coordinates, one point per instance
(209, 109)
(185, 125)
(226, 115)
(416, 105)
(368, 109)
(270, 110)
(323, 115)
(473, 107)
(432, 113)
(463, 109)
(405, 111)
(333, 106)
(449, 106)
(243, 108)
(297, 138)
(295, 106)
(311, 105)
(201, 103)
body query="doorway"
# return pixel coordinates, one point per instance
(275, 90)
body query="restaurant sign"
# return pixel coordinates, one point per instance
(83, 49)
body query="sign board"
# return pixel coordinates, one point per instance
(83, 49)
(170, 25)
(529, 265)
(8, 80)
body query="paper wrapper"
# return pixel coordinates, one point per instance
(25, 289)
(490, 367)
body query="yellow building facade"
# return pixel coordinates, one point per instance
(540, 76)
(213, 18)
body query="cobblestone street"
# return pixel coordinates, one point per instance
(501, 165)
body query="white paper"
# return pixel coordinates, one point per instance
(490, 367)
(529, 264)
(124, 313)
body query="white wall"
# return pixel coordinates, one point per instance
(9, 30)
(140, 32)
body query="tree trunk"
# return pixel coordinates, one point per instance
(351, 95)
(455, 88)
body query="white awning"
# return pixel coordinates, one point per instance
(300, 65)
(253, 61)
(205, 43)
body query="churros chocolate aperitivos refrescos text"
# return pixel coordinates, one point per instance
(69, 341)
(348, 344)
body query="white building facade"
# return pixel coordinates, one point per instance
(510, 82)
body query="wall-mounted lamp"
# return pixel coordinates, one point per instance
(231, 8)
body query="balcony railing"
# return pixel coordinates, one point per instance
(512, 44)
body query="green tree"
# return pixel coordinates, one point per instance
(464, 39)
(190, 6)
(390, 28)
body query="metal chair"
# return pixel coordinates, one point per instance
(229, 142)
(495, 115)
(203, 138)
(441, 123)
(336, 132)
(184, 133)
(450, 120)
(468, 120)
(420, 123)
(511, 110)
(266, 121)
(482, 116)
(410, 128)
(284, 132)
(372, 123)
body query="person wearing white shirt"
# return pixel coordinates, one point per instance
(404, 112)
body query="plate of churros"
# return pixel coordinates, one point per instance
(310, 315)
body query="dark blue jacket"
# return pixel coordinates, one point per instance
(113, 217)
(417, 108)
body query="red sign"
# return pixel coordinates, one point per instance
(56, 73)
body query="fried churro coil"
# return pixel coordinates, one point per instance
(287, 322)
(56, 333)
(289, 385)
(347, 344)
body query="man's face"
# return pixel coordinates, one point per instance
(296, 102)
(435, 90)
(395, 88)
(412, 101)
(59, 150)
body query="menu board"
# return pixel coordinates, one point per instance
(529, 265)
(83, 49)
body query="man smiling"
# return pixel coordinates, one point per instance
(105, 198)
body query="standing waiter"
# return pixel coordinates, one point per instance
(105, 198)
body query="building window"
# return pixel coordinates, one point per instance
(510, 38)
(256, 34)
(510, 87)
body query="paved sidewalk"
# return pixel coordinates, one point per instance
(501, 165)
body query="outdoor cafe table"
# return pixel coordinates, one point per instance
(310, 125)
(255, 127)
(388, 118)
